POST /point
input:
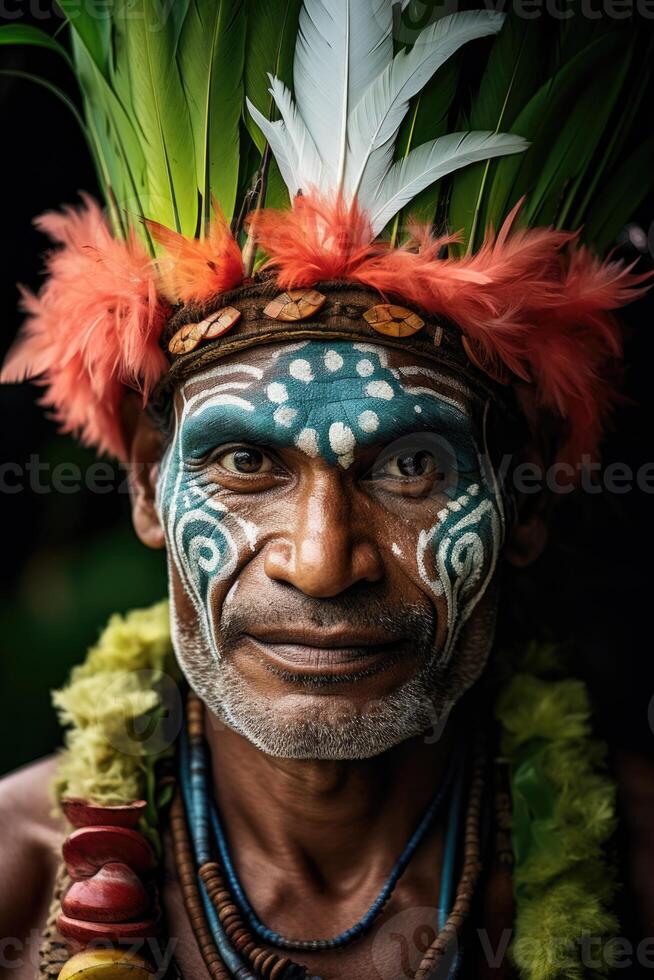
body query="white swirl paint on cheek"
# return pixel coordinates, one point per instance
(205, 553)
(201, 532)
(467, 539)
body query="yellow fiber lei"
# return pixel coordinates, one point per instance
(563, 818)
(563, 805)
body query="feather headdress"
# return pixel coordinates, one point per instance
(334, 124)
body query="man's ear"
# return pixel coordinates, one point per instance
(528, 534)
(145, 446)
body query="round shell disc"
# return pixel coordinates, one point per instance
(191, 335)
(393, 321)
(221, 322)
(184, 341)
(295, 304)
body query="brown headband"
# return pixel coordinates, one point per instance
(331, 311)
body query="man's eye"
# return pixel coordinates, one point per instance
(246, 460)
(411, 465)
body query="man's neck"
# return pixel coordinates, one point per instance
(321, 818)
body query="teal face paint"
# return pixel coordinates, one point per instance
(327, 400)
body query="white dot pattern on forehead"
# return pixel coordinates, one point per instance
(301, 370)
(277, 392)
(341, 439)
(379, 389)
(333, 360)
(284, 415)
(368, 421)
(307, 441)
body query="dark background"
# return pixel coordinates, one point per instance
(70, 559)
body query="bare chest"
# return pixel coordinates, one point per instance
(391, 950)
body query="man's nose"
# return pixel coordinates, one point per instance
(324, 553)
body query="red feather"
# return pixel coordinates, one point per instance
(93, 329)
(196, 269)
(532, 300)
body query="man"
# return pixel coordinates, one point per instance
(307, 615)
(322, 450)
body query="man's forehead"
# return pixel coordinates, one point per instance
(329, 400)
(337, 370)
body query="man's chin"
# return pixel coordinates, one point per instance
(321, 722)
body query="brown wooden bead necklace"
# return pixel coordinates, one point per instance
(263, 963)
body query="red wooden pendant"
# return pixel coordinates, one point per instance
(86, 850)
(80, 813)
(83, 932)
(112, 894)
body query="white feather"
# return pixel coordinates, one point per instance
(342, 46)
(375, 121)
(352, 96)
(282, 148)
(309, 164)
(431, 161)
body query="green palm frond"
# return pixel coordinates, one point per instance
(162, 106)
(513, 72)
(574, 92)
(271, 32)
(211, 56)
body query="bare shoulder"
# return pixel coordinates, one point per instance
(30, 844)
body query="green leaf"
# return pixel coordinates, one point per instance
(540, 122)
(26, 34)
(147, 82)
(623, 123)
(515, 69)
(618, 200)
(573, 151)
(165, 796)
(271, 33)
(210, 54)
(427, 120)
(116, 147)
(90, 20)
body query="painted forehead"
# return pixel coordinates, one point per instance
(325, 399)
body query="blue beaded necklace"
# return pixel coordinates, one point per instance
(359, 928)
(204, 818)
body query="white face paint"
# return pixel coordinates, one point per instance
(329, 402)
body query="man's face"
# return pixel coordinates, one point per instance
(332, 536)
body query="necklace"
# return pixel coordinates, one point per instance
(363, 924)
(227, 944)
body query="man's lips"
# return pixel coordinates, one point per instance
(313, 652)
